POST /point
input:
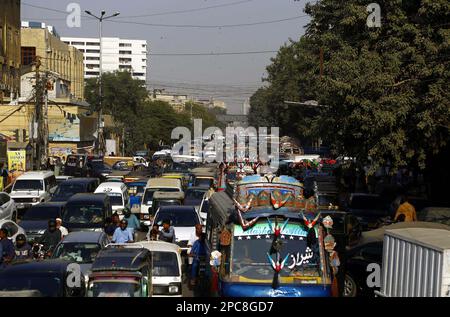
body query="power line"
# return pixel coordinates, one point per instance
(187, 10)
(210, 26)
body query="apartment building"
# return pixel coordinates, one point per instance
(9, 50)
(117, 54)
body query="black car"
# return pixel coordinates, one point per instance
(99, 169)
(48, 277)
(76, 165)
(35, 220)
(193, 196)
(368, 208)
(87, 212)
(73, 186)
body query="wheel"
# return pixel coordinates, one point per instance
(350, 287)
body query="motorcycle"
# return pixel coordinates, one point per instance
(40, 253)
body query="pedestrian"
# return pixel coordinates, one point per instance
(58, 166)
(153, 233)
(22, 248)
(167, 233)
(198, 252)
(64, 231)
(8, 250)
(194, 237)
(113, 225)
(122, 234)
(3, 175)
(133, 221)
(51, 237)
(407, 210)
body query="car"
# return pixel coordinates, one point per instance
(81, 247)
(193, 196)
(136, 191)
(73, 186)
(368, 208)
(8, 208)
(76, 165)
(98, 169)
(35, 220)
(369, 250)
(87, 212)
(167, 268)
(118, 194)
(183, 219)
(435, 214)
(62, 178)
(48, 277)
(13, 229)
(32, 188)
(121, 271)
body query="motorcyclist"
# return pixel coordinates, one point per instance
(50, 238)
(22, 248)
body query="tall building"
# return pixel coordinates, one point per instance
(117, 54)
(55, 56)
(9, 49)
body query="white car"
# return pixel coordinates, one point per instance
(183, 219)
(167, 267)
(118, 194)
(8, 210)
(13, 229)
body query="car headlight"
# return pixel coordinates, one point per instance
(35, 199)
(173, 289)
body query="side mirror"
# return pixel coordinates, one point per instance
(52, 190)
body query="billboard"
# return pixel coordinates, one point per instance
(17, 162)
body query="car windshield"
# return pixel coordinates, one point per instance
(179, 218)
(116, 199)
(203, 182)
(165, 264)
(78, 252)
(135, 189)
(125, 287)
(48, 286)
(249, 254)
(29, 184)
(68, 190)
(194, 194)
(41, 213)
(84, 214)
(148, 197)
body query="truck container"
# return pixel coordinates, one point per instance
(416, 263)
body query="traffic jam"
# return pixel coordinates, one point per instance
(163, 225)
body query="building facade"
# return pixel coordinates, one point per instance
(9, 50)
(117, 54)
(55, 56)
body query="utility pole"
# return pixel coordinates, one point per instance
(100, 148)
(39, 93)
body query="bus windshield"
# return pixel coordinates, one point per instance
(250, 260)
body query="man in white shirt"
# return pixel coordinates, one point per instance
(59, 226)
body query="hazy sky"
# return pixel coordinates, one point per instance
(231, 78)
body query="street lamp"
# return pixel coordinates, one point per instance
(99, 148)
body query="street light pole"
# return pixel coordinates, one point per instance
(100, 139)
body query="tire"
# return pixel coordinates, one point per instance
(350, 287)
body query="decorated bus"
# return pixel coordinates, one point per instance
(269, 241)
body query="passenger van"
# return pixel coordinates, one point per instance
(32, 188)
(154, 185)
(167, 268)
(118, 194)
(87, 212)
(161, 198)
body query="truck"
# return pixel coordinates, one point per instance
(416, 263)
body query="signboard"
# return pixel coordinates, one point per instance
(261, 229)
(17, 163)
(67, 129)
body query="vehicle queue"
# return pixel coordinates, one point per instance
(148, 230)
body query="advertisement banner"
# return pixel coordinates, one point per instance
(16, 163)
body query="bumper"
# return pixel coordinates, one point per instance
(260, 290)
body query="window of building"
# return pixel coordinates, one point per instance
(92, 44)
(124, 44)
(92, 73)
(81, 50)
(78, 43)
(138, 74)
(92, 58)
(124, 66)
(28, 55)
(144, 45)
(124, 60)
(92, 51)
(91, 66)
(125, 52)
